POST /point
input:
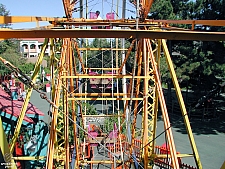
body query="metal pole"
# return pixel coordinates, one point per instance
(81, 8)
(137, 15)
(73, 163)
(182, 105)
(124, 9)
(80, 66)
(124, 81)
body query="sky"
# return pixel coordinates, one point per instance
(54, 8)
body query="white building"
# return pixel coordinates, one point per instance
(31, 47)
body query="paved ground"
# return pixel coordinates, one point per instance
(210, 139)
(41, 104)
(209, 136)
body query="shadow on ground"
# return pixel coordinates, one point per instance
(199, 126)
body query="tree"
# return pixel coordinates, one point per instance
(4, 12)
(110, 122)
(9, 48)
(207, 58)
(209, 9)
(98, 59)
(162, 9)
(26, 68)
(199, 65)
(9, 51)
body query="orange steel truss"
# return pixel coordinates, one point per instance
(68, 97)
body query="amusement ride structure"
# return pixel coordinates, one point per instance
(74, 84)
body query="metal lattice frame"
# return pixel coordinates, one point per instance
(58, 147)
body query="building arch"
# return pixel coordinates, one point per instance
(32, 46)
(25, 46)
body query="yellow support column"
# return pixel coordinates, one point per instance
(26, 101)
(182, 105)
(52, 65)
(223, 166)
(4, 147)
(52, 149)
(167, 124)
(146, 146)
(72, 71)
(66, 106)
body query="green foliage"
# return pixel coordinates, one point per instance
(90, 109)
(205, 9)
(9, 50)
(162, 9)
(4, 12)
(8, 45)
(47, 70)
(182, 9)
(109, 124)
(196, 61)
(26, 68)
(100, 59)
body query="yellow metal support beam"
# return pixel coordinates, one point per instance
(127, 55)
(156, 100)
(18, 19)
(66, 119)
(4, 149)
(100, 76)
(146, 7)
(79, 57)
(26, 101)
(52, 67)
(81, 21)
(94, 49)
(98, 94)
(72, 71)
(167, 124)
(135, 111)
(107, 115)
(223, 166)
(98, 162)
(28, 158)
(153, 107)
(55, 113)
(101, 68)
(104, 33)
(169, 156)
(182, 105)
(193, 22)
(145, 141)
(103, 98)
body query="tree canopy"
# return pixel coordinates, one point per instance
(194, 61)
(198, 64)
(4, 12)
(9, 49)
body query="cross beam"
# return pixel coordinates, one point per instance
(103, 33)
